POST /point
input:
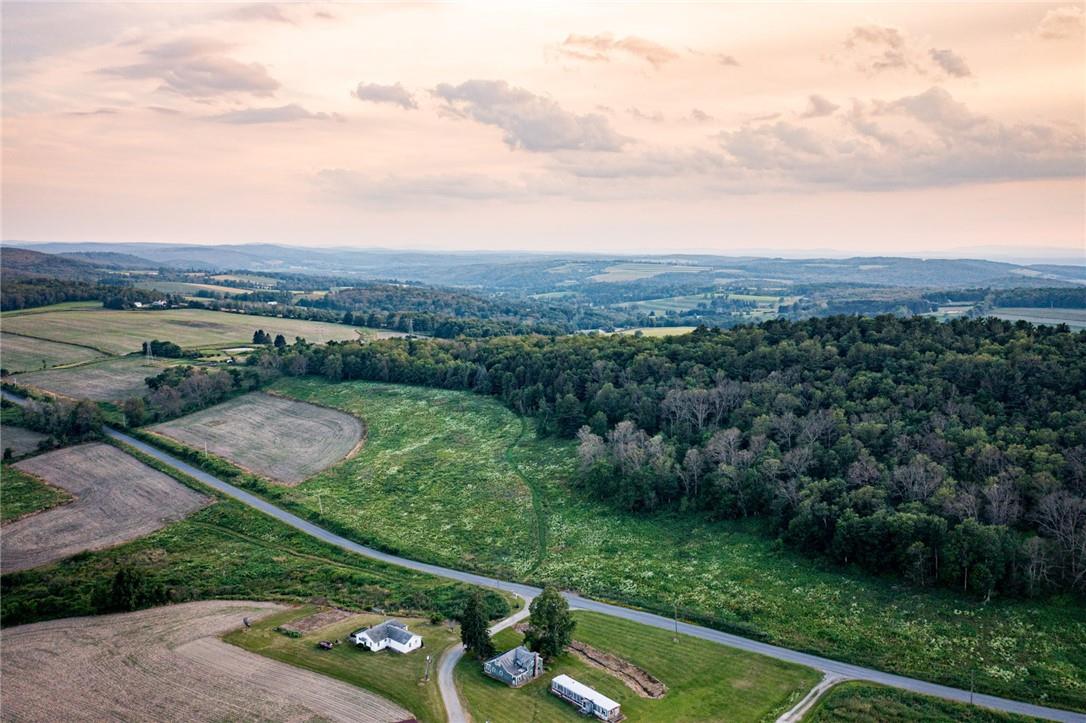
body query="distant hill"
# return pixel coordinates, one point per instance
(18, 263)
(110, 259)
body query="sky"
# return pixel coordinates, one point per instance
(795, 128)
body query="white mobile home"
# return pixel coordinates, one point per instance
(390, 634)
(587, 700)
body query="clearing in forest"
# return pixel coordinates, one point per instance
(118, 498)
(122, 332)
(167, 664)
(281, 439)
(106, 381)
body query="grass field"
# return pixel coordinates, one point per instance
(185, 288)
(21, 353)
(19, 439)
(122, 332)
(117, 498)
(167, 664)
(636, 271)
(247, 278)
(281, 439)
(104, 381)
(856, 702)
(766, 304)
(49, 308)
(399, 678)
(705, 681)
(1074, 318)
(470, 486)
(659, 330)
(21, 494)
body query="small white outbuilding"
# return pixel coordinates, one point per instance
(587, 700)
(391, 634)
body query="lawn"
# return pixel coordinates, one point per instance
(122, 332)
(391, 675)
(23, 354)
(21, 494)
(469, 486)
(103, 381)
(705, 681)
(856, 702)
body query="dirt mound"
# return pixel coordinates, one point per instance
(316, 621)
(639, 681)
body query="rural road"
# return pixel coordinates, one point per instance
(527, 592)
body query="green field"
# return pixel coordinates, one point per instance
(103, 381)
(856, 702)
(1074, 318)
(659, 330)
(705, 681)
(247, 278)
(766, 304)
(636, 271)
(22, 354)
(122, 332)
(391, 675)
(63, 306)
(21, 494)
(472, 487)
(186, 288)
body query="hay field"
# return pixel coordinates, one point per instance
(122, 332)
(19, 439)
(106, 381)
(636, 271)
(167, 664)
(21, 353)
(660, 330)
(284, 440)
(117, 499)
(185, 287)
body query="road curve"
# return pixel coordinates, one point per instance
(527, 592)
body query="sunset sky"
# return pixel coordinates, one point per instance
(865, 128)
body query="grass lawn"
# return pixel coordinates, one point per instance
(24, 354)
(856, 702)
(21, 494)
(122, 332)
(469, 485)
(705, 681)
(389, 674)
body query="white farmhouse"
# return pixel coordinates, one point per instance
(587, 700)
(391, 634)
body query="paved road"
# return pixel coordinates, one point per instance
(825, 665)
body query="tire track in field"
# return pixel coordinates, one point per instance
(538, 508)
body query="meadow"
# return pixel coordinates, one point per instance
(21, 494)
(636, 271)
(121, 332)
(705, 681)
(856, 702)
(399, 678)
(103, 381)
(1074, 318)
(23, 353)
(187, 289)
(472, 487)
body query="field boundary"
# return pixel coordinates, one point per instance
(68, 343)
(69, 497)
(538, 508)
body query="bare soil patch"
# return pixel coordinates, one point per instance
(318, 620)
(118, 499)
(19, 439)
(284, 440)
(106, 381)
(639, 681)
(167, 664)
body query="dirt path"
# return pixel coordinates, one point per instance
(167, 664)
(117, 498)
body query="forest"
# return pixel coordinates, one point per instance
(942, 453)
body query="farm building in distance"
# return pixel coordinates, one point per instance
(515, 667)
(587, 700)
(390, 634)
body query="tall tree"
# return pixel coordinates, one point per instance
(473, 628)
(550, 627)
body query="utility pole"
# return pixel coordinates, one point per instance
(426, 675)
(675, 610)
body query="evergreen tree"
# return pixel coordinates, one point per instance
(550, 627)
(280, 341)
(473, 628)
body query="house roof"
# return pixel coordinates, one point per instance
(389, 629)
(515, 662)
(601, 700)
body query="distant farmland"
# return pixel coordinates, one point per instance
(186, 288)
(1074, 318)
(635, 271)
(21, 353)
(105, 381)
(121, 332)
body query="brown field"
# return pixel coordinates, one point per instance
(281, 439)
(117, 499)
(106, 381)
(167, 664)
(21, 353)
(20, 440)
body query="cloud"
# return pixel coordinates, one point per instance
(1061, 23)
(354, 187)
(950, 62)
(197, 68)
(726, 59)
(604, 47)
(260, 11)
(394, 94)
(99, 111)
(653, 117)
(882, 48)
(280, 114)
(699, 116)
(531, 122)
(817, 107)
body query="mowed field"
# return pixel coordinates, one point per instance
(122, 332)
(167, 664)
(456, 478)
(281, 439)
(705, 681)
(21, 353)
(117, 498)
(396, 677)
(1074, 318)
(104, 381)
